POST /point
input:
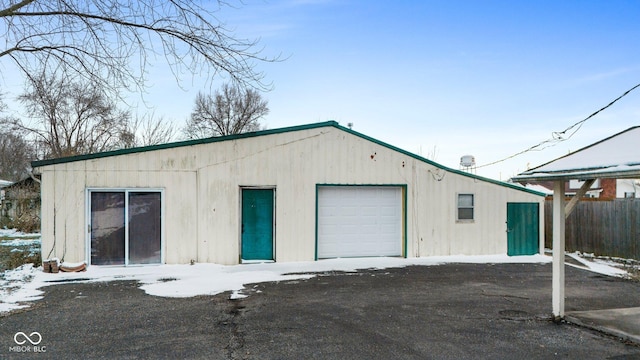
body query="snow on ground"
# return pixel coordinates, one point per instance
(16, 287)
(21, 242)
(598, 266)
(22, 285)
(19, 286)
(13, 233)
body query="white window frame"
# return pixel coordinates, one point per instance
(126, 191)
(472, 207)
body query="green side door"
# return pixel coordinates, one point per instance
(257, 224)
(523, 227)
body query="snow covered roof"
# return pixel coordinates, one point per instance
(614, 157)
(539, 188)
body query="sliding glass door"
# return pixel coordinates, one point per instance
(107, 228)
(125, 227)
(144, 227)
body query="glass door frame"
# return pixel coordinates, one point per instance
(126, 191)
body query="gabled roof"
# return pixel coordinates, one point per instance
(614, 157)
(41, 163)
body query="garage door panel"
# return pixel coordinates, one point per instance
(359, 221)
(331, 230)
(387, 229)
(369, 229)
(389, 211)
(368, 211)
(347, 230)
(347, 211)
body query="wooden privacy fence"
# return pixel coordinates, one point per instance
(606, 228)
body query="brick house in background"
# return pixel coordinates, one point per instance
(603, 189)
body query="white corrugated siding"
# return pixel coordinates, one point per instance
(202, 195)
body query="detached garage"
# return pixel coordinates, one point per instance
(293, 194)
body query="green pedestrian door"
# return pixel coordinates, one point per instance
(523, 227)
(257, 224)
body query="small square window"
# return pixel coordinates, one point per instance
(465, 206)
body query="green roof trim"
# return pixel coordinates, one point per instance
(445, 168)
(334, 124)
(178, 144)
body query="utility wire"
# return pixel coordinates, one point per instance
(560, 136)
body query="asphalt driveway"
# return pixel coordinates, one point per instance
(455, 311)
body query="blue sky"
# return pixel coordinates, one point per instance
(442, 78)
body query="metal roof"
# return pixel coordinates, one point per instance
(42, 163)
(615, 157)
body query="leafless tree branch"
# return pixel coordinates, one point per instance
(112, 41)
(149, 130)
(231, 110)
(70, 117)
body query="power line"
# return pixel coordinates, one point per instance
(560, 136)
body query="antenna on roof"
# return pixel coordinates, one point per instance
(350, 125)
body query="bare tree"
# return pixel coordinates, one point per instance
(70, 118)
(113, 41)
(15, 152)
(149, 130)
(231, 110)
(15, 155)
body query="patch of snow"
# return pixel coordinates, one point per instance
(600, 267)
(585, 173)
(237, 295)
(21, 285)
(17, 287)
(13, 233)
(32, 251)
(69, 264)
(52, 260)
(539, 188)
(21, 242)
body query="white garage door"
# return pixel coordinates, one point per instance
(359, 221)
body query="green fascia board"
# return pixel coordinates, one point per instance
(178, 144)
(62, 160)
(433, 163)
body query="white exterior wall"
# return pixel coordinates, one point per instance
(202, 186)
(624, 186)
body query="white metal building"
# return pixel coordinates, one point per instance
(292, 194)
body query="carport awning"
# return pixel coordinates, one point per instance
(615, 157)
